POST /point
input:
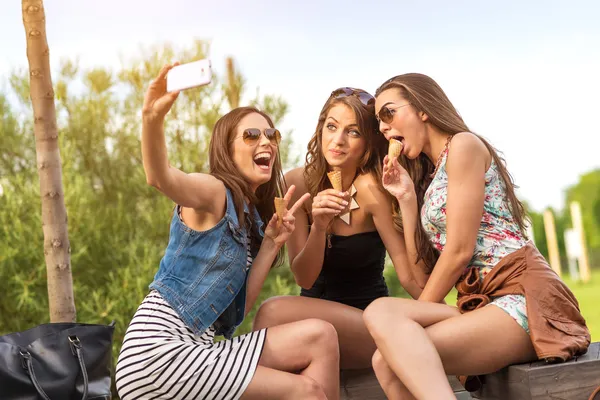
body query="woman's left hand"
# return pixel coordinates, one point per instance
(280, 233)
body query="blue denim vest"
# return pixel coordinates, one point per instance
(203, 274)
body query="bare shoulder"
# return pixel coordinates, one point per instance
(296, 177)
(215, 187)
(370, 194)
(467, 149)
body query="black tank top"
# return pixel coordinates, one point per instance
(352, 270)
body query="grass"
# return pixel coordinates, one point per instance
(588, 295)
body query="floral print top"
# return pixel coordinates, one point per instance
(499, 234)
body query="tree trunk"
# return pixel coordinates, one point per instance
(54, 214)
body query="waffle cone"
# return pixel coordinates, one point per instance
(280, 207)
(335, 177)
(394, 150)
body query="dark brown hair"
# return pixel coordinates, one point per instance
(425, 95)
(315, 172)
(223, 168)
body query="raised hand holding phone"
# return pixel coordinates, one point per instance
(190, 75)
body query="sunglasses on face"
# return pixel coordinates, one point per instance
(251, 136)
(363, 96)
(386, 114)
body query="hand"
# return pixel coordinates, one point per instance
(326, 205)
(280, 233)
(157, 102)
(396, 180)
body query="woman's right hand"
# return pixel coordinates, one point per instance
(157, 102)
(397, 181)
(326, 205)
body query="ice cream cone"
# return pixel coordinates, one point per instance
(280, 207)
(394, 150)
(335, 177)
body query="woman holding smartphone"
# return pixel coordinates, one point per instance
(224, 239)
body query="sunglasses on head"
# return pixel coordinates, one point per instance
(251, 136)
(363, 96)
(386, 114)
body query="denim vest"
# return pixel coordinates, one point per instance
(203, 274)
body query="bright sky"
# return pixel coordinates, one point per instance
(526, 75)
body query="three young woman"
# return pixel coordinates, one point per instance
(457, 222)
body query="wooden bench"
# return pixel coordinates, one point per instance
(573, 380)
(362, 384)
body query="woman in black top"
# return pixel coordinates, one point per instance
(337, 251)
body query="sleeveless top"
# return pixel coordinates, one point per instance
(352, 271)
(499, 234)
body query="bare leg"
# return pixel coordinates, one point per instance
(356, 344)
(391, 385)
(479, 342)
(307, 347)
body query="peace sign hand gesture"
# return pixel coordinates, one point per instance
(280, 233)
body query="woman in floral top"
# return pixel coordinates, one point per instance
(459, 210)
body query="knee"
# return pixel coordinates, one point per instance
(310, 389)
(378, 315)
(269, 313)
(378, 362)
(322, 334)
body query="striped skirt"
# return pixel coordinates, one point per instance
(161, 358)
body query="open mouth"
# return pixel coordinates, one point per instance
(263, 160)
(401, 140)
(398, 138)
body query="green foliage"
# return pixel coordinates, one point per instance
(118, 225)
(587, 193)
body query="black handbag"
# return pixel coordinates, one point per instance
(57, 361)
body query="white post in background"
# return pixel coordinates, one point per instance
(573, 246)
(552, 242)
(529, 230)
(584, 266)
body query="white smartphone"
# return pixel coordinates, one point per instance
(189, 75)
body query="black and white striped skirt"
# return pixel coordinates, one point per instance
(161, 358)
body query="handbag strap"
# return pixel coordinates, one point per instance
(77, 351)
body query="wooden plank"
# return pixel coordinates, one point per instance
(573, 380)
(362, 384)
(508, 383)
(463, 395)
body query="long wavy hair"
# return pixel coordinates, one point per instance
(425, 95)
(223, 168)
(316, 167)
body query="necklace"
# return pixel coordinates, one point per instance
(352, 206)
(439, 160)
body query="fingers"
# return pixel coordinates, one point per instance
(332, 205)
(273, 221)
(163, 72)
(298, 203)
(173, 96)
(333, 192)
(289, 193)
(325, 211)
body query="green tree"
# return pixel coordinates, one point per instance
(118, 225)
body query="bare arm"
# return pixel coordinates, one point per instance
(275, 237)
(379, 206)
(397, 181)
(306, 248)
(201, 192)
(466, 167)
